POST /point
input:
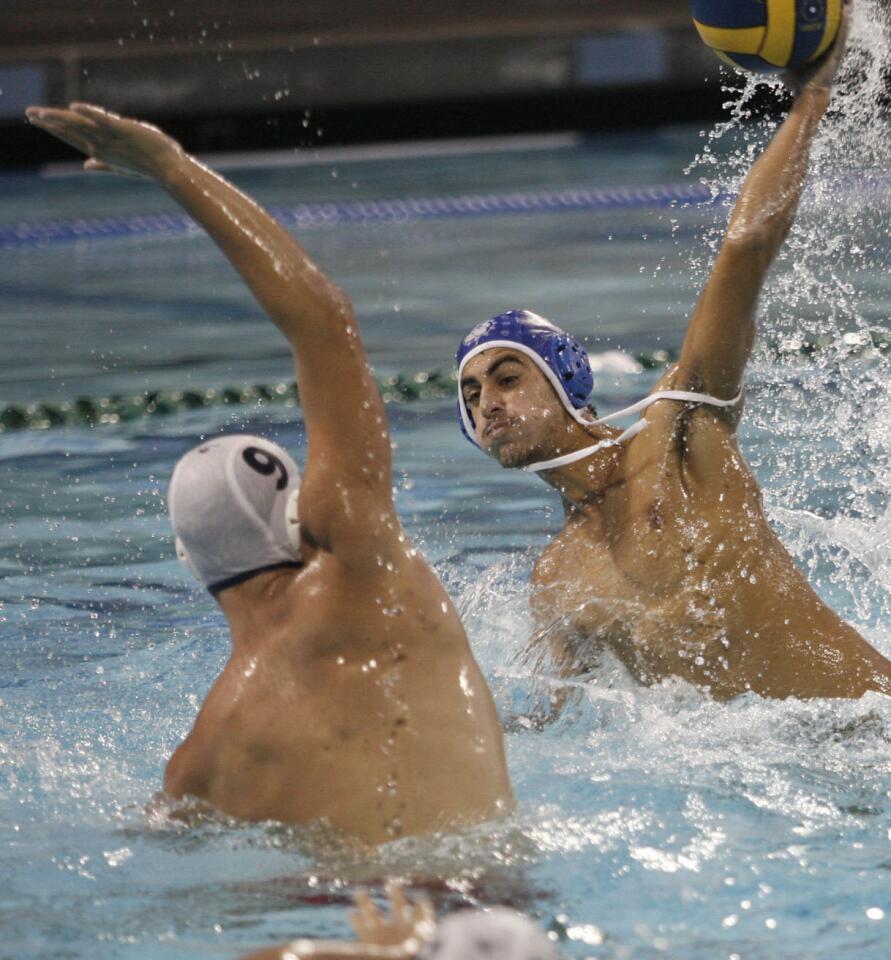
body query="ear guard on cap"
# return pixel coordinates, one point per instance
(292, 519)
(183, 556)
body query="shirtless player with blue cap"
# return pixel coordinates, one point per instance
(351, 694)
(666, 557)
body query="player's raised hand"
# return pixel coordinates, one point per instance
(111, 142)
(822, 74)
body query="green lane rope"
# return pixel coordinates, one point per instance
(424, 385)
(399, 388)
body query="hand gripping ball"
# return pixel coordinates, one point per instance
(768, 35)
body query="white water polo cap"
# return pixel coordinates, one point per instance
(495, 934)
(233, 506)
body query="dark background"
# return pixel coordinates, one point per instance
(228, 75)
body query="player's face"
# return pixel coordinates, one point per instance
(517, 416)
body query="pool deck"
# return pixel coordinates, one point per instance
(230, 58)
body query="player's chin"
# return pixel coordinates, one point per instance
(512, 454)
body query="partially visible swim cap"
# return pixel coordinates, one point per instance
(496, 934)
(560, 357)
(233, 506)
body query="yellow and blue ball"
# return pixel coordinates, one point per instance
(768, 35)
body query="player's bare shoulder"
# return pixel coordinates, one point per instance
(683, 435)
(547, 581)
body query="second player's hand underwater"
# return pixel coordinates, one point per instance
(351, 695)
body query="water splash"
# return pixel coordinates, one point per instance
(818, 431)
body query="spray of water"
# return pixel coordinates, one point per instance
(819, 431)
(656, 819)
(664, 779)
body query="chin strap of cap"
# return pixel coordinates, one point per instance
(634, 429)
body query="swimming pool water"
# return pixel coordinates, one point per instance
(651, 823)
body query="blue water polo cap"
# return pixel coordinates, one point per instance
(560, 357)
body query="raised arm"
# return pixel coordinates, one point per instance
(722, 330)
(347, 470)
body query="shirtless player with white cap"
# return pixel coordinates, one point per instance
(351, 694)
(666, 558)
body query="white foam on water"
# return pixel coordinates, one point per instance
(670, 824)
(784, 800)
(822, 426)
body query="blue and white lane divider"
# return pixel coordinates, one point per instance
(314, 215)
(305, 216)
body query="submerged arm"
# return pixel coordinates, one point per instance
(378, 937)
(348, 462)
(329, 950)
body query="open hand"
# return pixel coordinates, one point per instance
(822, 73)
(112, 143)
(407, 922)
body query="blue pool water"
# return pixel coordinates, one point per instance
(651, 823)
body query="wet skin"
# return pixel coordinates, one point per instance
(399, 936)
(351, 694)
(666, 557)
